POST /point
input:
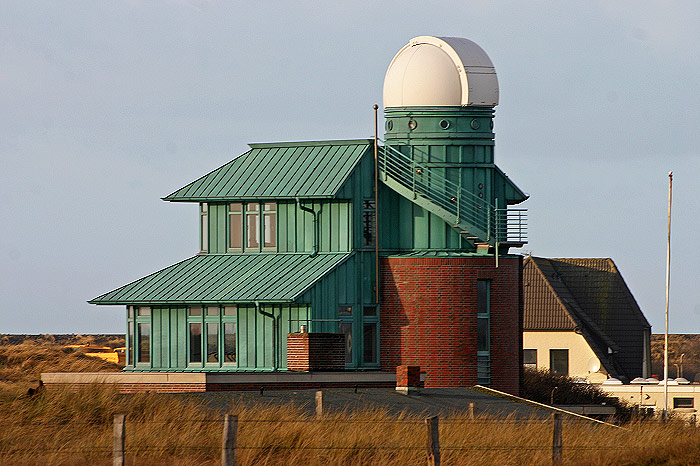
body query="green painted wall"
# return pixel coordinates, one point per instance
(295, 227)
(256, 346)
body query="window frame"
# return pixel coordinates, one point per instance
(683, 402)
(370, 319)
(135, 318)
(530, 364)
(568, 360)
(220, 320)
(261, 223)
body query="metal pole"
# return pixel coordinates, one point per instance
(668, 283)
(376, 206)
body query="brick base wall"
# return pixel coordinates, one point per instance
(217, 387)
(428, 318)
(315, 351)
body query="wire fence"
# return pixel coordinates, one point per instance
(129, 442)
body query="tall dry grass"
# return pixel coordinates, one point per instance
(75, 428)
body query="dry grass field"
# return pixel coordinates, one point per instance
(65, 428)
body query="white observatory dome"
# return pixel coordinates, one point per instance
(441, 71)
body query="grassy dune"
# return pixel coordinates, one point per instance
(66, 428)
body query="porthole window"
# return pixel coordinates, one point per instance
(389, 125)
(412, 124)
(444, 124)
(475, 124)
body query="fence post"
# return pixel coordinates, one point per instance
(228, 442)
(556, 439)
(319, 403)
(433, 440)
(472, 410)
(118, 440)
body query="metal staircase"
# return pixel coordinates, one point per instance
(478, 221)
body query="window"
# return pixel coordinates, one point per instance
(269, 225)
(559, 361)
(204, 231)
(212, 342)
(229, 342)
(683, 403)
(235, 226)
(369, 343)
(138, 345)
(212, 335)
(252, 224)
(483, 316)
(530, 358)
(483, 332)
(144, 343)
(346, 329)
(249, 230)
(195, 342)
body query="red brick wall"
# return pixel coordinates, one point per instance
(428, 318)
(315, 351)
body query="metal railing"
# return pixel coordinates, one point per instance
(480, 219)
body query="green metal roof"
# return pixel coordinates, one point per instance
(227, 278)
(279, 170)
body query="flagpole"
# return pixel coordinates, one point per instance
(668, 282)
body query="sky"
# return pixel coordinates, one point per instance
(107, 106)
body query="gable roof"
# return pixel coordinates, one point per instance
(228, 278)
(591, 297)
(314, 169)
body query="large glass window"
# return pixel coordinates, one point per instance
(212, 335)
(252, 226)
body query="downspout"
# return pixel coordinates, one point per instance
(312, 212)
(376, 208)
(258, 307)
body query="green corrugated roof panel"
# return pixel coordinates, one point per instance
(227, 278)
(278, 171)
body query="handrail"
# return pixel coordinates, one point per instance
(486, 221)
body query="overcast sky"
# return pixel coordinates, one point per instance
(107, 106)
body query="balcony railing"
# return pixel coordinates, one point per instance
(476, 218)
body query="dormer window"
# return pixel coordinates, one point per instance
(248, 229)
